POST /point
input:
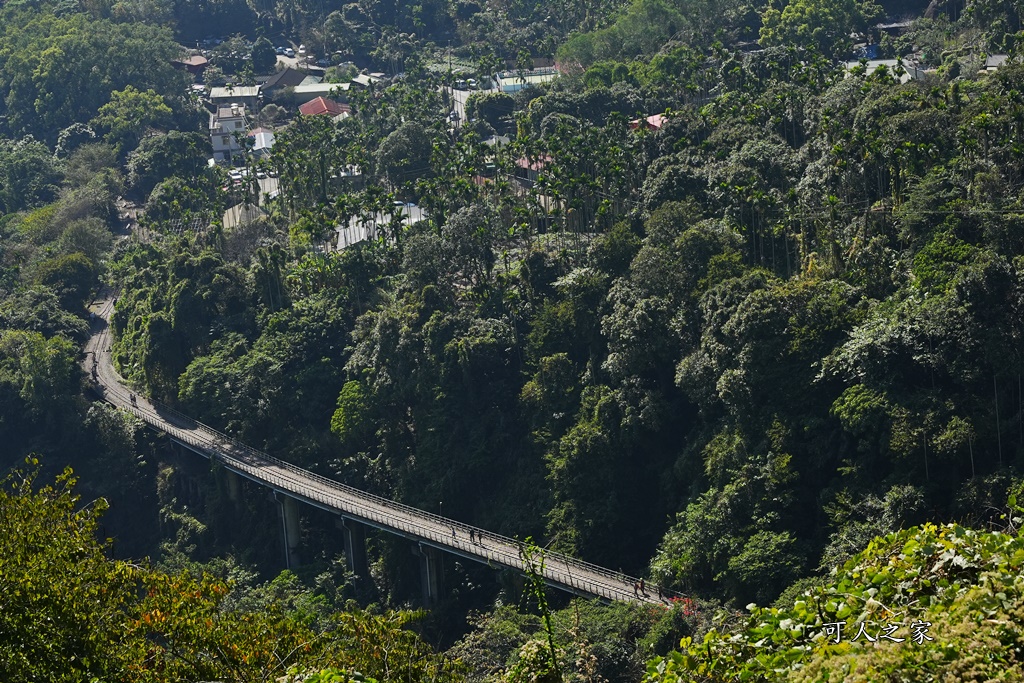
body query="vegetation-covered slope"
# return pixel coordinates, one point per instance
(725, 346)
(927, 603)
(72, 614)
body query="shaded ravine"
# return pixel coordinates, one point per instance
(560, 570)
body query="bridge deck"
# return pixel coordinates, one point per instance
(450, 535)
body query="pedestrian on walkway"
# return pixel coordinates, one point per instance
(472, 536)
(636, 589)
(453, 532)
(642, 591)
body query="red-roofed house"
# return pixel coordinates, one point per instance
(651, 122)
(322, 105)
(530, 170)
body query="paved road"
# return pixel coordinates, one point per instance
(430, 529)
(459, 98)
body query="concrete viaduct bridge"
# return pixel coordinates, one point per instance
(430, 534)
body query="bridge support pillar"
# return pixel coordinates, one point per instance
(234, 485)
(355, 547)
(431, 578)
(289, 529)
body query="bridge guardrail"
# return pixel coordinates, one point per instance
(504, 556)
(219, 446)
(612, 590)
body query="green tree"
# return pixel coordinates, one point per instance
(263, 56)
(29, 175)
(493, 107)
(161, 156)
(129, 114)
(66, 607)
(179, 199)
(65, 68)
(71, 614)
(39, 377)
(71, 276)
(405, 152)
(38, 309)
(824, 25)
(952, 583)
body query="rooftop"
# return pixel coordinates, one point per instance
(366, 79)
(242, 213)
(497, 141)
(230, 111)
(536, 165)
(263, 140)
(361, 228)
(238, 91)
(286, 78)
(322, 105)
(908, 70)
(996, 61)
(654, 122)
(193, 61)
(308, 88)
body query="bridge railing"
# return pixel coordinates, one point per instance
(379, 509)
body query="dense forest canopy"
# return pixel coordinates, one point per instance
(711, 306)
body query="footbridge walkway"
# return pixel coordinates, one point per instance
(429, 532)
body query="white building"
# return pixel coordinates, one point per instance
(904, 70)
(227, 130)
(262, 142)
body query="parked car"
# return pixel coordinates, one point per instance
(302, 50)
(279, 50)
(472, 84)
(460, 84)
(323, 62)
(288, 52)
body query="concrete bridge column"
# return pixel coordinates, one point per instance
(234, 486)
(289, 529)
(431, 572)
(355, 547)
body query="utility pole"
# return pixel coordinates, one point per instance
(451, 87)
